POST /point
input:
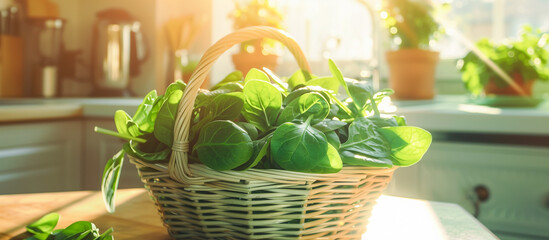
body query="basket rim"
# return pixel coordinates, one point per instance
(272, 175)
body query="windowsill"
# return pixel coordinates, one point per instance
(453, 113)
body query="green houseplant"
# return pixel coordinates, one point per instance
(256, 53)
(524, 60)
(412, 28)
(257, 148)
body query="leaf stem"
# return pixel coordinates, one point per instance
(116, 134)
(374, 106)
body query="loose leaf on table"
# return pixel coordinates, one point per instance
(309, 104)
(365, 144)
(408, 144)
(165, 120)
(262, 104)
(78, 230)
(222, 145)
(111, 176)
(298, 147)
(45, 224)
(256, 74)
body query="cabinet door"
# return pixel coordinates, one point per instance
(517, 180)
(40, 157)
(98, 149)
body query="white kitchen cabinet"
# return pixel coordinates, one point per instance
(98, 149)
(516, 177)
(40, 156)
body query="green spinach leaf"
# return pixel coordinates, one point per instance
(329, 163)
(364, 143)
(328, 83)
(45, 224)
(222, 145)
(298, 147)
(233, 78)
(262, 104)
(408, 144)
(309, 104)
(300, 77)
(256, 74)
(165, 120)
(111, 176)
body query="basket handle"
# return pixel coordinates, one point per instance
(178, 166)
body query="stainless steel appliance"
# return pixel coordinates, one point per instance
(118, 51)
(46, 36)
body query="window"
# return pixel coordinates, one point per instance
(342, 30)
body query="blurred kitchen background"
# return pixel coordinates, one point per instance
(67, 65)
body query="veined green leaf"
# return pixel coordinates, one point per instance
(165, 121)
(364, 143)
(121, 120)
(256, 74)
(140, 116)
(261, 148)
(328, 125)
(45, 224)
(233, 78)
(298, 147)
(328, 83)
(309, 104)
(262, 104)
(330, 163)
(222, 145)
(109, 181)
(408, 144)
(300, 77)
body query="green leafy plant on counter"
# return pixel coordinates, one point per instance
(256, 13)
(302, 124)
(410, 23)
(43, 229)
(526, 57)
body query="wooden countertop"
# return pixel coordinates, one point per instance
(136, 217)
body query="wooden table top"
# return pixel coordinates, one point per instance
(136, 217)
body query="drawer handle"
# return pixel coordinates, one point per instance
(482, 194)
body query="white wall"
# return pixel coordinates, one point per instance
(81, 15)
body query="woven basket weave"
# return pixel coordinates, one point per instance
(196, 202)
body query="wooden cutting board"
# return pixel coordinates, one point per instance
(135, 216)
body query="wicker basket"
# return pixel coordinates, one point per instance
(195, 201)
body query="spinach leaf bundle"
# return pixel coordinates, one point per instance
(302, 124)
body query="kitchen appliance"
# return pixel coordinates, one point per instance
(118, 50)
(45, 36)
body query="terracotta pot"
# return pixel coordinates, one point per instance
(492, 88)
(245, 61)
(412, 73)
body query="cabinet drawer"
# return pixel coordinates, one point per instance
(516, 177)
(40, 157)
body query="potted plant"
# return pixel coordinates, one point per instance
(256, 151)
(524, 60)
(256, 53)
(411, 67)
